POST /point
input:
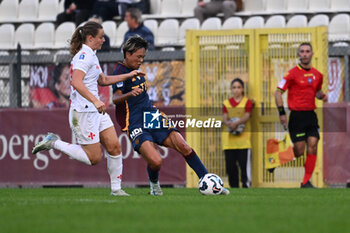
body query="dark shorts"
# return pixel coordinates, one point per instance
(139, 134)
(303, 124)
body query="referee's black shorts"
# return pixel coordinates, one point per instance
(303, 124)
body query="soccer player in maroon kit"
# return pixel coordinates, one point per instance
(304, 84)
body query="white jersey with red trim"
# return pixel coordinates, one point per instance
(86, 61)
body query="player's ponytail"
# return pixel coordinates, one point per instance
(76, 41)
(80, 34)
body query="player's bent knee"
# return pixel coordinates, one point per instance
(312, 150)
(298, 153)
(155, 164)
(114, 149)
(183, 147)
(95, 160)
(94, 155)
(186, 150)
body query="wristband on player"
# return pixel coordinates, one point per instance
(281, 111)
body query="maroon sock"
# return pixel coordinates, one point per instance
(309, 167)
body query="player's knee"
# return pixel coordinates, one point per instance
(312, 149)
(298, 152)
(156, 164)
(114, 148)
(187, 151)
(184, 148)
(94, 155)
(95, 160)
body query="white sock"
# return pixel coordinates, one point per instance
(73, 150)
(115, 170)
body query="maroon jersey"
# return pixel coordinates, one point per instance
(302, 85)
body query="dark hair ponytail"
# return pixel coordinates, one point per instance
(80, 34)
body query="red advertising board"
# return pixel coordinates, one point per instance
(22, 128)
(336, 147)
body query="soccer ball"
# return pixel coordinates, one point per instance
(210, 184)
(239, 128)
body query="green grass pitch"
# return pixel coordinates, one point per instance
(179, 210)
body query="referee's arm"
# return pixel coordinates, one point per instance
(279, 105)
(321, 96)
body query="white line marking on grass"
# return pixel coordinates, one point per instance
(54, 201)
(97, 201)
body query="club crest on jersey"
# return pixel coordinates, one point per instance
(309, 80)
(91, 136)
(82, 56)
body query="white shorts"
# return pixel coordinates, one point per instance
(87, 126)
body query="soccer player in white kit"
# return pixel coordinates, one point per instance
(87, 114)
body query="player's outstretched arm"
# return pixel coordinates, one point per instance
(104, 80)
(77, 83)
(119, 97)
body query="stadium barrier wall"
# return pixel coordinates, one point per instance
(22, 128)
(336, 166)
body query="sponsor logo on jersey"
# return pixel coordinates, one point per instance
(82, 56)
(136, 132)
